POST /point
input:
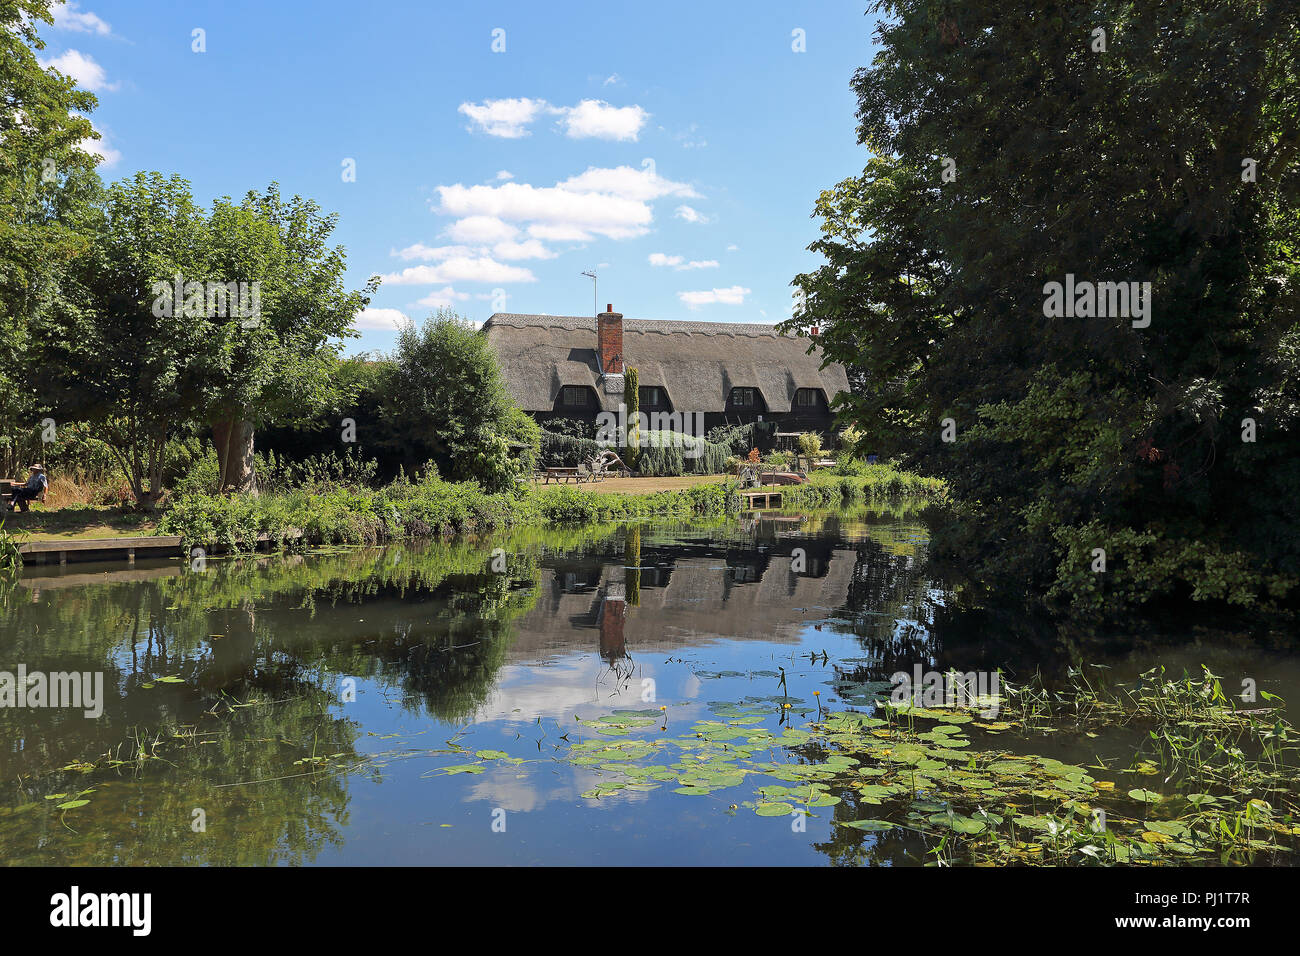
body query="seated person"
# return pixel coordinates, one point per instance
(34, 488)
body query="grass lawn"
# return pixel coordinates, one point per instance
(84, 521)
(645, 486)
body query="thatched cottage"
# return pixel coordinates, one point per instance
(567, 366)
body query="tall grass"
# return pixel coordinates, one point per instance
(852, 481)
(408, 509)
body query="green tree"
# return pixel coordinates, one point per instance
(280, 364)
(632, 402)
(1011, 149)
(449, 399)
(116, 357)
(185, 318)
(48, 187)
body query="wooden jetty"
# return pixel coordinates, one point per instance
(770, 498)
(63, 550)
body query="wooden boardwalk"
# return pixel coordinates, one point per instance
(63, 550)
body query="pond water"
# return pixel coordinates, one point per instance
(442, 703)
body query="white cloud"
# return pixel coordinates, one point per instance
(487, 229)
(735, 295)
(613, 203)
(733, 247)
(385, 320)
(505, 118)
(690, 215)
(460, 269)
(444, 298)
(431, 253)
(641, 184)
(678, 263)
(553, 212)
(68, 17)
(82, 68)
(98, 147)
(504, 174)
(561, 232)
(596, 119)
(528, 249)
(591, 119)
(611, 79)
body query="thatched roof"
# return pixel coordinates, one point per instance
(698, 363)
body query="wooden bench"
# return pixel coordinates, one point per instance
(9, 486)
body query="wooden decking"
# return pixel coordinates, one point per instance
(63, 550)
(769, 498)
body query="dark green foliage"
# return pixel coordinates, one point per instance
(632, 450)
(1076, 434)
(573, 427)
(448, 401)
(564, 451)
(738, 439)
(669, 453)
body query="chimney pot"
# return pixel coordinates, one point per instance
(609, 307)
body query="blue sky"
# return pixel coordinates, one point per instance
(675, 148)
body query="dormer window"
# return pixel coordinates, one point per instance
(575, 396)
(743, 397)
(652, 396)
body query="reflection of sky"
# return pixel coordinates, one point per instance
(561, 688)
(704, 620)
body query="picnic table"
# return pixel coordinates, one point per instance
(563, 474)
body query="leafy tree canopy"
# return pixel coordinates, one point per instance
(1135, 141)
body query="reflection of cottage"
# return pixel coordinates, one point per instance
(685, 601)
(561, 366)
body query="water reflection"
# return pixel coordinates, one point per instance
(229, 690)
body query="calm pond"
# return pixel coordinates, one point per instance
(443, 702)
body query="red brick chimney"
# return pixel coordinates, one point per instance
(609, 341)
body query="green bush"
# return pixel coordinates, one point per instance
(665, 453)
(738, 439)
(831, 488)
(407, 509)
(565, 451)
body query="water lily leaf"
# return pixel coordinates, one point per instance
(1146, 796)
(871, 826)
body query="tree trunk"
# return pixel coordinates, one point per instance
(233, 438)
